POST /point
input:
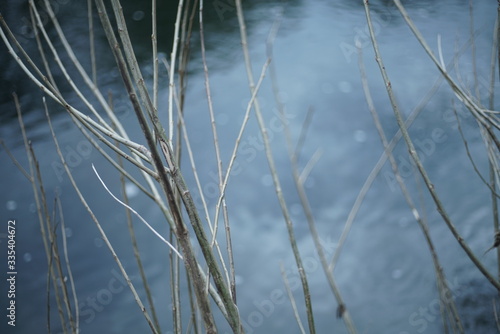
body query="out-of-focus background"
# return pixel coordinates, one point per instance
(385, 271)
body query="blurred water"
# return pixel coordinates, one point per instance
(385, 273)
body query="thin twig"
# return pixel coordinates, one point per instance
(51, 239)
(173, 57)
(91, 41)
(138, 215)
(244, 123)
(304, 201)
(93, 87)
(231, 278)
(383, 158)
(134, 240)
(184, 132)
(63, 69)
(477, 111)
(68, 269)
(175, 290)
(41, 50)
(447, 305)
(292, 299)
(14, 160)
(187, 199)
(178, 226)
(101, 231)
(491, 103)
(411, 147)
(495, 312)
(154, 44)
(303, 133)
(469, 155)
(272, 168)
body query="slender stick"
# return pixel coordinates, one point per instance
(135, 247)
(491, 102)
(41, 50)
(231, 278)
(133, 64)
(15, 43)
(179, 228)
(61, 277)
(175, 290)
(83, 73)
(101, 231)
(495, 312)
(69, 271)
(303, 133)
(383, 158)
(473, 50)
(137, 214)
(477, 111)
(272, 167)
(304, 201)
(63, 69)
(32, 162)
(16, 163)
(232, 312)
(53, 274)
(244, 123)
(469, 155)
(42, 211)
(411, 147)
(447, 305)
(93, 86)
(91, 42)
(292, 299)
(189, 150)
(86, 120)
(173, 57)
(154, 43)
(498, 38)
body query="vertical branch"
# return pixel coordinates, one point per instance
(173, 57)
(494, 203)
(41, 51)
(91, 41)
(498, 38)
(491, 102)
(175, 290)
(101, 231)
(473, 50)
(79, 67)
(43, 216)
(155, 55)
(193, 318)
(52, 255)
(57, 257)
(411, 147)
(292, 300)
(76, 324)
(447, 305)
(179, 228)
(133, 238)
(299, 185)
(224, 293)
(231, 279)
(272, 167)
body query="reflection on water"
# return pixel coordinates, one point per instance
(385, 271)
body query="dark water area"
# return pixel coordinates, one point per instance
(385, 271)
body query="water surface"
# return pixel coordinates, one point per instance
(385, 272)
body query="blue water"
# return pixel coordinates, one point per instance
(385, 272)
